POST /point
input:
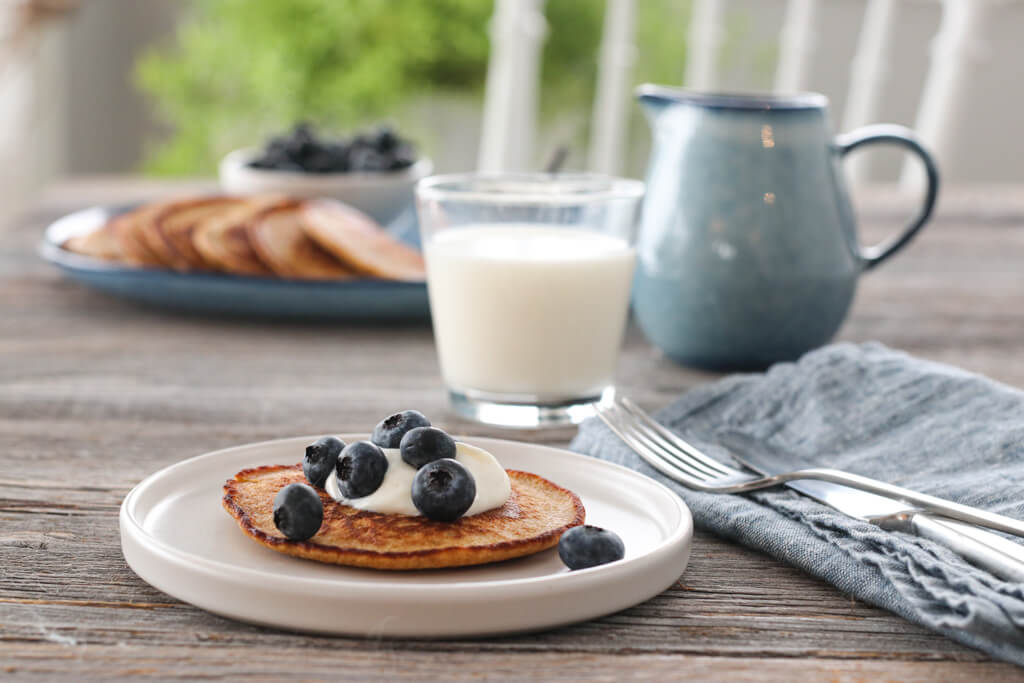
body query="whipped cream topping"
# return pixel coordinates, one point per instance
(394, 495)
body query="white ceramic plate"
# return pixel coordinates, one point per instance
(176, 536)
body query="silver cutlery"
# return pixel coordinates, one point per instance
(1000, 556)
(902, 509)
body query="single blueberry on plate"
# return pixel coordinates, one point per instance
(361, 468)
(422, 445)
(298, 512)
(443, 490)
(389, 432)
(588, 546)
(321, 457)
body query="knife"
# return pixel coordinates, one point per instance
(984, 549)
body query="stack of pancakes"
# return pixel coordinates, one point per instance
(260, 235)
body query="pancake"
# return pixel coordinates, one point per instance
(100, 243)
(533, 519)
(223, 240)
(277, 236)
(127, 229)
(356, 240)
(170, 232)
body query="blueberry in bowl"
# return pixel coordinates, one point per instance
(302, 149)
(374, 171)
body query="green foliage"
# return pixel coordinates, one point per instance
(238, 70)
(569, 67)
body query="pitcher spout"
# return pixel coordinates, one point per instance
(655, 100)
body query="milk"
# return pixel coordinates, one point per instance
(527, 309)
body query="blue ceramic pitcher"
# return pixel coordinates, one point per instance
(748, 251)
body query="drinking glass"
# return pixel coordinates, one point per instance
(529, 280)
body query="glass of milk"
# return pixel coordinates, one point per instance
(529, 278)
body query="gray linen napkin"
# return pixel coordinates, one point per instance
(877, 412)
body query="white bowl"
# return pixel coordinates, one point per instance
(383, 196)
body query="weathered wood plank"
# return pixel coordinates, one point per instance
(383, 662)
(662, 628)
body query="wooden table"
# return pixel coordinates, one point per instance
(95, 394)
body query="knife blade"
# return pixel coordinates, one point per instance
(984, 549)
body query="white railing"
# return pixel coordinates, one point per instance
(614, 87)
(796, 45)
(33, 103)
(518, 30)
(705, 39)
(957, 48)
(868, 75)
(513, 74)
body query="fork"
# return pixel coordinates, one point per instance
(677, 459)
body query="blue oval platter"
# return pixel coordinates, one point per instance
(242, 295)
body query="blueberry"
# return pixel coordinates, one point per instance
(337, 152)
(269, 159)
(389, 432)
(426, 444)
(404, 154)
(275, 163)
(277, 144)
(303, 131)
(399, 162)
(364, 141)
(443, 490)
(588, 546)
(361, 468)
(386, 139)
(298, 512)
(320, 458)
(368, 159)
(320, 161)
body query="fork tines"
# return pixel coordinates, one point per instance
(663, 449)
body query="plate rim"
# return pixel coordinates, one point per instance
(128, 523)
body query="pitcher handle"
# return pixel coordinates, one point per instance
(899, 135)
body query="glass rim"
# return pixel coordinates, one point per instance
(606, 188)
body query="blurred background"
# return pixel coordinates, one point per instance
(167, 87)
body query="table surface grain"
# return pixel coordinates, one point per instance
(96, 393)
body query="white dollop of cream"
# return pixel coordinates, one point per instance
(394, 496)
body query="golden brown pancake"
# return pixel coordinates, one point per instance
(356, 240)
(170, 232)
(101, 243)
(223, 238)
(128, 228)
(277, 235)
(533, 519)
